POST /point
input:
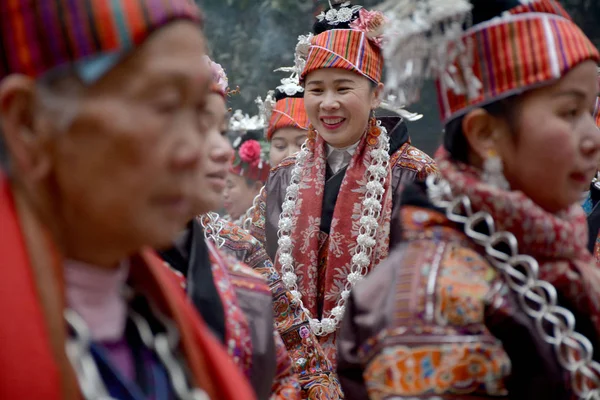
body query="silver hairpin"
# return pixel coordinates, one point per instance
(339, 16)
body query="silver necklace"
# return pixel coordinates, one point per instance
(537, 298)
(164, 345)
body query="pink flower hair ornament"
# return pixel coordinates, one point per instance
(220, 82)
(250, 160)
(250, 152)
(372, 23)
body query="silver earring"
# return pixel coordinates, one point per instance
(493, 172)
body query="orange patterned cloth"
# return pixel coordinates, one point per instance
(316, 374)
(429, 322)
(288, 113)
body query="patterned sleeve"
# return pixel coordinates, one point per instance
(429, 169)
(256, 221)
(317, 377)
(286, 385)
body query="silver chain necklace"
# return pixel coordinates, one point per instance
(537, 298)
(164, 345)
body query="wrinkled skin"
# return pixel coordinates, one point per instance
(124, 173)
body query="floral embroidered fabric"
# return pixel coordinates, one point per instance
(316, 374)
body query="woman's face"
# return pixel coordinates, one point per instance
(239, 195)
(284, 143)
(338, 104)
(219, 152)
(555, 150)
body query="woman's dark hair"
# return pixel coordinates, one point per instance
(279, 95)
(454, 139)
(456, 142)
(249, 135)
(484, 10)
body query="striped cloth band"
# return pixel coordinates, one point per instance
(37, 36)
(346, 49)
(535, 44)
(288, 113)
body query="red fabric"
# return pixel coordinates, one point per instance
(27, 366)
(344, 226)
(26, 353)
(557, 241)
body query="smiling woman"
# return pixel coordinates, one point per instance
(326, 213)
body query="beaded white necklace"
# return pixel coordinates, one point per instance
(376, 175)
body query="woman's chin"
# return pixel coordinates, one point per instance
(341, 140)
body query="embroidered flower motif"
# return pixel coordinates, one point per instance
(343, 15)
(250, 152)
(372, 23)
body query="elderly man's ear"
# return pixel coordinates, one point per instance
(27, 146)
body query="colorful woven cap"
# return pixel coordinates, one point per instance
(533, 44)
(346, 49)
(92, 35)
(288, 113)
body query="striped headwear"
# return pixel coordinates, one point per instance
(346, 49)
(288, 113)
(37, 36)
(533, 44)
